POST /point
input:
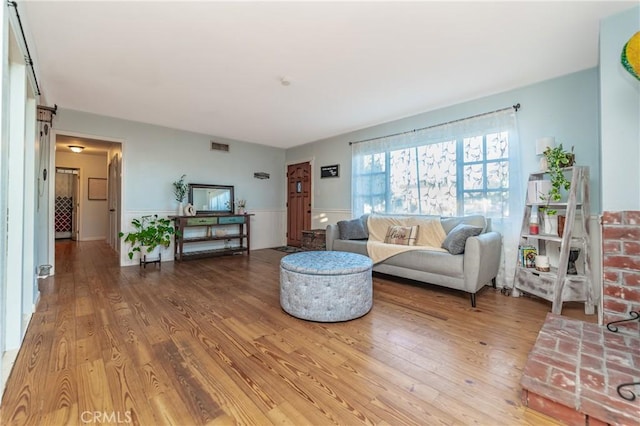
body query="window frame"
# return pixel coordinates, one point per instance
(461, 191)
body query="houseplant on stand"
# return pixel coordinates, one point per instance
(180, 191)
(150, 232)
(557, 160)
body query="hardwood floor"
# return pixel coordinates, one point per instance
(206, 342)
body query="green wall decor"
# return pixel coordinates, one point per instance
(630, 56)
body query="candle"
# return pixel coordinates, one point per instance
(542, 263)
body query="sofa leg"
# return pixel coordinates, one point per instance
(493, 282)
(473, 300)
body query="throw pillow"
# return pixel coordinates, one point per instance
(352, 230)
(401, 235)
(457, 237)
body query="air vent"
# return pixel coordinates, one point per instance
(216, 146)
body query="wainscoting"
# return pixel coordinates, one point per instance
(268, 228)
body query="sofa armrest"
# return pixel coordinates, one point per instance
(481, 260)
(333, 233)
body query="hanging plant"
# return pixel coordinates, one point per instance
(557, 160)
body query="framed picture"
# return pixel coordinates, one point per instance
(330, 171)
(97, 189)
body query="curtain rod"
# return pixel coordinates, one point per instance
(516, 107)
(27, 57)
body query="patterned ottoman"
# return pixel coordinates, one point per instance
(326, 286)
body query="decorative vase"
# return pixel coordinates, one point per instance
(240, 210)
(180, 209)
(550, 225)
(189, 210)
(571, 263)
(561, 220)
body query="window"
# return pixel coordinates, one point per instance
(465, 167)
(454, 176)
(451, 178)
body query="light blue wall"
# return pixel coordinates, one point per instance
(155, 156)
(564, 107)
(620, 115)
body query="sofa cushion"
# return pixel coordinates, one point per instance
(353, 246)
(401, 235)
(364, 218)
(435, 262)
(475, 220)
(457, 238)
(430, 230)
(352, 230)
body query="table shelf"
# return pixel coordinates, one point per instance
(208, 222)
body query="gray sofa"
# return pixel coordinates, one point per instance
(469, 271)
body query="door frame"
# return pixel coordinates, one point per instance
(114, 195)
(311, 161)
(52, 166)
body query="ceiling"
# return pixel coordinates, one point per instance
(217, 67)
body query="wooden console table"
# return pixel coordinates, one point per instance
(209, 223)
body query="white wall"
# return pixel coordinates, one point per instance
(4, 185)
(18, 290)
(93, 214)
(620, 115)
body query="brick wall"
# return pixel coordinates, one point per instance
(621, 267)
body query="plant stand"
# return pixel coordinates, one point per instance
(563, 282)
(144, 261)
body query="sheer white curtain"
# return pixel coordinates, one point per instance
(469, 166)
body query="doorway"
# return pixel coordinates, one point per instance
(98, 162)
(298, 202)
(67, 203)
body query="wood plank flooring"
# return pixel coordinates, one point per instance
(206, 342)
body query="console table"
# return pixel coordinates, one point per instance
(211, 226)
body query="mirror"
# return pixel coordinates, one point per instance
(207, 199)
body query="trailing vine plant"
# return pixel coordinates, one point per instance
(557, 159)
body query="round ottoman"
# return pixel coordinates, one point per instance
(326, 286)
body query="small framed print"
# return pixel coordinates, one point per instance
(330, 171)
(97, 189)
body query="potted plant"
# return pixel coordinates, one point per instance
(241, 205)
(180, 191)
(150, 232)
(557, 160)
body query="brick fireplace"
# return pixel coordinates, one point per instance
(574, 369)
(621, 268)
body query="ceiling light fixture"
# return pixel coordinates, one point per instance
(76, 148)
